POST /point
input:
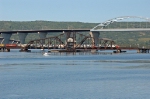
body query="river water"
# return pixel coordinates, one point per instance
(74, 75)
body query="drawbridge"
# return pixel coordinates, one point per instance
(70, 42)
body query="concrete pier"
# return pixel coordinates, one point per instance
(6, 37)
(22, 37)
(42, 35)
(95, 35)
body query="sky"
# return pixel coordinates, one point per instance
(91, 11)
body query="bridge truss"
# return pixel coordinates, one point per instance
(70, 42)
(124, 22)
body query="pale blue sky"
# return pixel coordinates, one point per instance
(72, 10)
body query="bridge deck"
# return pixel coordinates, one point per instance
(77, 30)
(122, 30)
(48, 30)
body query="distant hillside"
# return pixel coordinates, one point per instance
(121, 38)
(35, 25)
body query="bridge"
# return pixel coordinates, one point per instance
(92, 34)
(42, 33)
(48, 30)
(122, 30)
(117, 19)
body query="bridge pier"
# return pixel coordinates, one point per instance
(22, 37)
(6, 37)
(24, 50)
(143, 50)
(42, 35)
(4, 50)
(95, 35)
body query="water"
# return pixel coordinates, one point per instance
(74, 76)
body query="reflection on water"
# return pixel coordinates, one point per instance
(101, 75)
